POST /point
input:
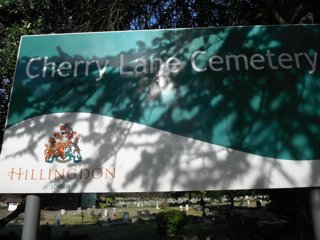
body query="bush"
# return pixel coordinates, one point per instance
(163, 206)
(170, 222)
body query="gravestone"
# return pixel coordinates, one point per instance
(146, 212)
(207, 211)
(63, 212)
(57, 219)
(88, 211)
(98, 212)
(113, 212)
(79, 210)
(138, 213)
(247, 200)
(125, 217)
(105, 213)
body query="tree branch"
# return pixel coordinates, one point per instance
(20, 209)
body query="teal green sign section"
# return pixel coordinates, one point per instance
(253, 89)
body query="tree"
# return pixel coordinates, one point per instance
(20, 209)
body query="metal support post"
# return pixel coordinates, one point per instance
(315, 209)
(31, 218)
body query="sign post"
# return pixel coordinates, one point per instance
(31, 218)
(315, 209)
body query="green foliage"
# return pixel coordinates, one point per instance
(9, 43)
(94, 217)
(289, 203)
(9, 46)
(170, 222)
(163, 206)
(107, 201)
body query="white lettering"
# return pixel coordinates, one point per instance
(141, 64)
(257, 58)
(236, 60)
(173, 65)
(45, 66)
(193, 59)
(312, 63)
(296, 58)
(215, 59)
(121, 66)
(102, 70)
(28, 68)
(285, 57)
(76, 64)
(87, 66)
(64, 66)
(269, 56)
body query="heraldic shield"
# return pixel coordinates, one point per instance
(63, 146)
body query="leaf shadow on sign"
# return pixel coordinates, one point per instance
(269, 113)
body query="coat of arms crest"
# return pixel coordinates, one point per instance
(63, 146)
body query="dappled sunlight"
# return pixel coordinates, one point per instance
(177, 110)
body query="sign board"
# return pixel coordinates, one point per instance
(165, 110)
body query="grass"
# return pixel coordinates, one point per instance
(72, 218)
(72, 223)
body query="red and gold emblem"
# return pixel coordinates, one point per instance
(63, 146)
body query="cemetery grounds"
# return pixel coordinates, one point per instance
(222, 223)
